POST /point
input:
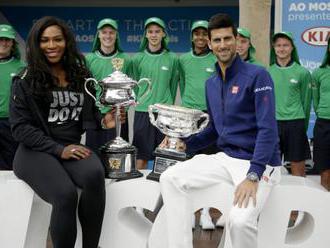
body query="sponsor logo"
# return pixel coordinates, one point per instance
(66, 106)
(164, 68)
(265, 88)
(293, 81)
(234, 89)
(266, 179)
(209, 70)
(317, 36)
(114, 163)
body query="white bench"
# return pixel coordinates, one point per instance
(296, 193)
(24, 217)
(293, 193)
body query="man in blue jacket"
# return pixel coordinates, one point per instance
(241, 106)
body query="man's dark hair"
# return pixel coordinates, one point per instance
(39, 70)
(221, 20)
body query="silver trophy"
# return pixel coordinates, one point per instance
(175, 122)
(117, 91)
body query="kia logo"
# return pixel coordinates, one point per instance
(317, 36)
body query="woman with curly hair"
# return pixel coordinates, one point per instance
(49, 111)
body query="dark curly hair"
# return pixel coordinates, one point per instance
(38, 69)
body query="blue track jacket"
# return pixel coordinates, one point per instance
(242, 116)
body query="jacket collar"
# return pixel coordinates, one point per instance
(232, 70)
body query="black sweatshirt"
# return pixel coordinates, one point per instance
(30, 125)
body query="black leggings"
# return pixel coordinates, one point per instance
(56, 182)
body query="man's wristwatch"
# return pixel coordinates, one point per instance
(252, 176)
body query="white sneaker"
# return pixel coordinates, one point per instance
(221, 222)
(205, 220)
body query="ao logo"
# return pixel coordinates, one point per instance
(312, 6)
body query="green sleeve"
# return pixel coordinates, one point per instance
(182, 82)
(306, 96)
(135, 72)
(128, 67)
(88, 58)
(315, 91)
(174, 79)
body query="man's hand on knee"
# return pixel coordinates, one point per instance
(244, 191)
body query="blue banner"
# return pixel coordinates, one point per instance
(83, 21)
(308, 21)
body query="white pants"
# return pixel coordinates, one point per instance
(203, 171)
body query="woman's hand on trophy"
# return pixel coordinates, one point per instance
(75, 152)
(164, 143)
(180, 145)
(109, 119)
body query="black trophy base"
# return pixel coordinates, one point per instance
(120, 162)
(163, 160)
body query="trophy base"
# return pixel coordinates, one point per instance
(124, 176)
(163, 160)
(120, 162)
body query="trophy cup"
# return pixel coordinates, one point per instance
(117, 91)
(175, 122)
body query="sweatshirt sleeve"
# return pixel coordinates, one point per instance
(128, 66)
(315, 91)
(136, 70)
(306, 95)
(182, 82)
(267, 136)
(174, 78)
(206, 137)
(24, 126)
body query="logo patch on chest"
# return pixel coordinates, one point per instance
(293, 81)
(234, 89)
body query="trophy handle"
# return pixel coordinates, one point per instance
(151, 115)
(89, 93)
(204, 123)
(147, 80)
